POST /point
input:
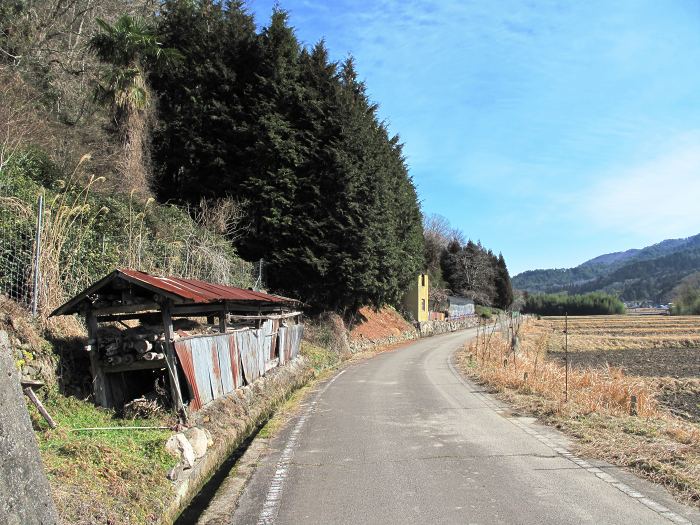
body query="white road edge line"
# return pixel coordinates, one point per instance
(565, 453)
(273, 499)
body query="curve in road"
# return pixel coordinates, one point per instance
(402, 438)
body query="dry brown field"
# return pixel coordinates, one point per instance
(664, 350)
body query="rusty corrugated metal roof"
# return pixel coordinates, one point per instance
(200, 291)
(189, 291)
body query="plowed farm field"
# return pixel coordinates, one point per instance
(665, 350)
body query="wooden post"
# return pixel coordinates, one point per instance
(478, 326)
(222, 322)
(633, 405)
(566, 356)
(100, 384)
(170, 356)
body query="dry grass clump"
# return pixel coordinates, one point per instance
(16, 321)
(660, 449)
(653, 443)
(606, 390)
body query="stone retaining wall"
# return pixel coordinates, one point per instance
(360, 345)
(428, 328)
(25, 496)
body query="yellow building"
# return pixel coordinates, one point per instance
(416, 300)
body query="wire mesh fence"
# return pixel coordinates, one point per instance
(51, 251)
(20, 240)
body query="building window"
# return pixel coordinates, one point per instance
(422, 304)
(422, 281)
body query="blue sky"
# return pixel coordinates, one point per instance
(551, 131)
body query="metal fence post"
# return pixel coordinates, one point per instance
(36, 280)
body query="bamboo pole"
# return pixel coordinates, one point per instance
(39, 406)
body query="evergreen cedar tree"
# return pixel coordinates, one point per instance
(254, 115)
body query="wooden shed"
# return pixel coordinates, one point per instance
(142, 327)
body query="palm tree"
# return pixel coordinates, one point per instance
(125, 47)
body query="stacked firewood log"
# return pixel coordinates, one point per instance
(124, 347)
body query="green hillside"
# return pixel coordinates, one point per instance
(646, 274)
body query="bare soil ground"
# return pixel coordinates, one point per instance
(654, 362)
(375, 325)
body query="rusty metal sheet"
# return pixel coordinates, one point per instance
(216, 365)
(201, 348)
(235, 360)
(217, 388)
(190, 291)
(248, 348)
(184, 355)
(211, 366)
(201, 291)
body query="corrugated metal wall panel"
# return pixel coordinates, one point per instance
(282, 337)
(235, 357)
(248, 348)
(184, 355)
(216, 365)
(262, 356)
(202, 358)
(228, 383)
(269, 333)
(273, 338)
(297, 333)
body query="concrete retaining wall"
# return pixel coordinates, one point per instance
(230, 421)
(25, 496)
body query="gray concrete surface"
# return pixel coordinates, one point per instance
(25, 496)
(401, 438)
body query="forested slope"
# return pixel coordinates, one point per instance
(646, 274)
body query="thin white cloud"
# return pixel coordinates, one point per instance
(657, 199)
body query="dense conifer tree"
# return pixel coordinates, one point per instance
(504, 288)
(255, 116)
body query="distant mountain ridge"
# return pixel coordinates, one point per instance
(611, 258)
(648, 273)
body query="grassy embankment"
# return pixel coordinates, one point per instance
(105, 476)
(119, 476)
(654, 443)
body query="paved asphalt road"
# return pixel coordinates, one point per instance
(400, 438)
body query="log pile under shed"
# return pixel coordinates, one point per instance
(181, 340)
